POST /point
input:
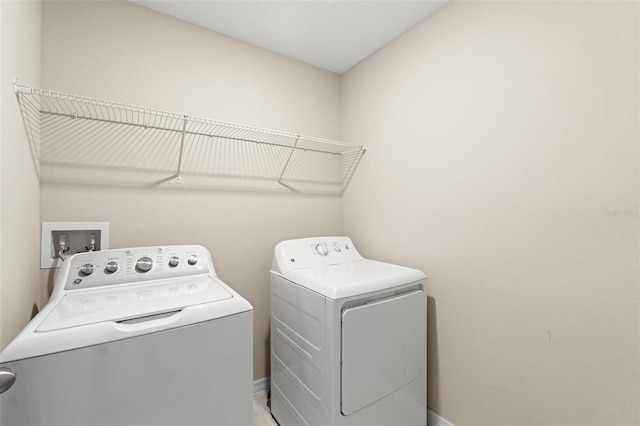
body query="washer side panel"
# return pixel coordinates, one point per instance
(193, 375)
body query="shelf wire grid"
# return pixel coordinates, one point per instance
(85, 140)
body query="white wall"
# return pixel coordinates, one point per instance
(122, 52)
(19, 190)
(502, 136)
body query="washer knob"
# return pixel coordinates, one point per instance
(322, 249)
(111, 267)
(86, 269)
(192, 259)
(174, 261)
(336, 247)
(144, 264)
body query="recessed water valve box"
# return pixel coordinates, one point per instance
(62, 239)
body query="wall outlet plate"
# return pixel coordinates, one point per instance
(77, 239)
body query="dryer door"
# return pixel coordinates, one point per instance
(383, 348)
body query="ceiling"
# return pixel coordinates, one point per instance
(333, 35)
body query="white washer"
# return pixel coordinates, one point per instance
(348, 337)
(139, 336)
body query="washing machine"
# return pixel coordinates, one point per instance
(348, 337)
(139, 336)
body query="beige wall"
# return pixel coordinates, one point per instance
(120, 51)
(502, 136)
(19, 190)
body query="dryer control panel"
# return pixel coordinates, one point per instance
(316, 251)
(121, 266)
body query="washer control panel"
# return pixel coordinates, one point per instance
(121, 266)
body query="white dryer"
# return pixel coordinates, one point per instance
(139, 336)
(348, 337)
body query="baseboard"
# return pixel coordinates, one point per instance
(261, 385)
(433, 419)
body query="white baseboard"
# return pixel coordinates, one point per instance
(433, 419)
(261, 385)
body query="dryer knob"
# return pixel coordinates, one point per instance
(192, 259)
(322, 249)
(144, 264)
(86, 269)
(111, 267)
(174, 261)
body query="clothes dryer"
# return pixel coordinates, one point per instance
(348, 337)
(139, 336)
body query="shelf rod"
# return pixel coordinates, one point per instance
(184, 130)
(168, 129)
(293, 148)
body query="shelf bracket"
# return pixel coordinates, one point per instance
(34, 146)
(284, 169)
(19, 88)
(184, 132)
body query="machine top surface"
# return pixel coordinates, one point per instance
(76, 309)
(333, 267)
(110, 295)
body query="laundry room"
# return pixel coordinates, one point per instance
(491, 145)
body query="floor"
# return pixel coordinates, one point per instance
(261, 413)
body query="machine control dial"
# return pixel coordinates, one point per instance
(86, 269)
(336, 247)
(192, 259)
(174, 261)
(144, 264)
(111, 267)
(322, 249)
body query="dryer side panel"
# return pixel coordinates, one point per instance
(297, 354)
(383, 350)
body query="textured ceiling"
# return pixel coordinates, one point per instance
(333, 35)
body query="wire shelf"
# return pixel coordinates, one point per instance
(81, 140)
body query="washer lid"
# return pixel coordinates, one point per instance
(353, 278)
(117, 303)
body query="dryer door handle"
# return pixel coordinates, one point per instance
(7, 378)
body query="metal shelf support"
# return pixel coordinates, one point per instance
(184, 131)
(293, 149)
